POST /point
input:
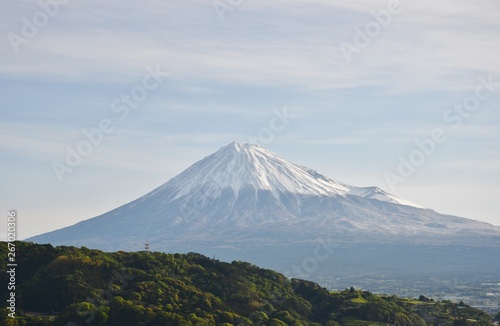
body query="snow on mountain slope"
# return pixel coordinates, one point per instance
(236, 166)
(379, 194)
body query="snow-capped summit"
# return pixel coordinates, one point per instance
(240, 165)
(236, 166)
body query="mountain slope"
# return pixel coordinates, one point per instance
(246, 194)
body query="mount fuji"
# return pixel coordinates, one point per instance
(245, 202)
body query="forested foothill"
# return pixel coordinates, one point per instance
(80, 286)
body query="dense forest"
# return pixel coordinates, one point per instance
(78, 286)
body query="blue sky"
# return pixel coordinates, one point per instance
(353, 120)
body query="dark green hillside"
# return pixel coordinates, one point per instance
(61, 285)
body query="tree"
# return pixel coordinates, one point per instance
(423, 298)
(125, 312)
(83, 313)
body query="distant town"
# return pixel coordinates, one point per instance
(476, 292)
